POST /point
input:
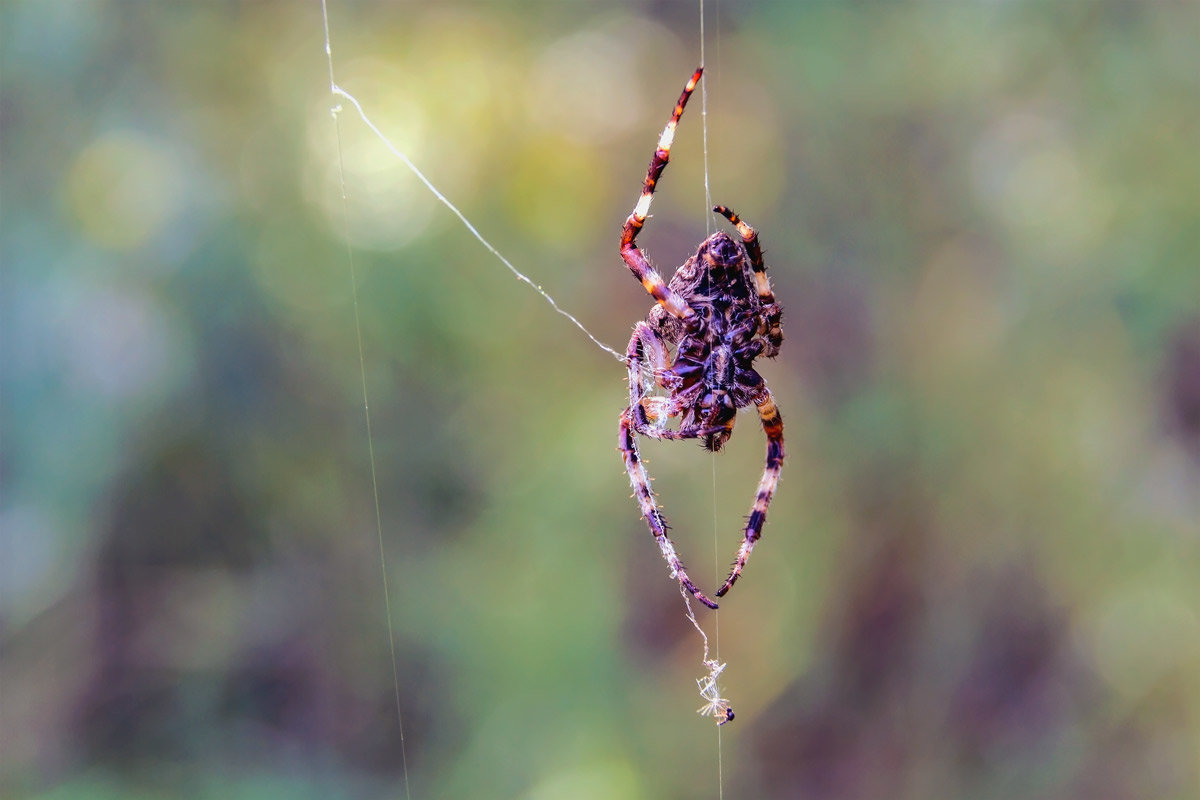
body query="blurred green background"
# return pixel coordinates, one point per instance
(980, 575)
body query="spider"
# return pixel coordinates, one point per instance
(717, 314)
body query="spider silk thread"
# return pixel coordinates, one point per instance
(708, 226)
(387, 602)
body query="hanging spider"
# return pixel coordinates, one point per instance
(718, 313)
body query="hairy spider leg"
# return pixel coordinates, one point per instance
(649, 349)
(647, 355)
(675, 305)
(762, 285)
(627, 443)
(772, 424)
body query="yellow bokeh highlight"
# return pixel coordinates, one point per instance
(385, 205)
(122, 190)
(599, 779)
(560, 193)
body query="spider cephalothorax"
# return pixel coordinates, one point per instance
(699, 343)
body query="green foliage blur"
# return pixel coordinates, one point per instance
(981, 574)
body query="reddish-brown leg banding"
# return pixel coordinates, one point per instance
(627, 444)
(762, 285)
(634, 259)
(773, 427)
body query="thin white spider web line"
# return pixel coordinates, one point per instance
(387, 603)
(708, 204)
(337, 90)
(714, 666)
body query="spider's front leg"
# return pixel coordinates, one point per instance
(675, 305)
(773, 427)
(627, 443)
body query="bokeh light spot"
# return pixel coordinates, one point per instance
(596, 780)
(557, 192)
(1142, 632)
(122, 190)
(587, 87)
(120, 344)
(386, 206)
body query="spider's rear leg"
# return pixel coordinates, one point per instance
(627, 443)
(647, 360)
(773, 427)
(762, 284)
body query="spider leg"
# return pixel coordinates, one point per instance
(627, 443)
(762, 285)
(773, 427)
(670, 300)
(646, 357)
